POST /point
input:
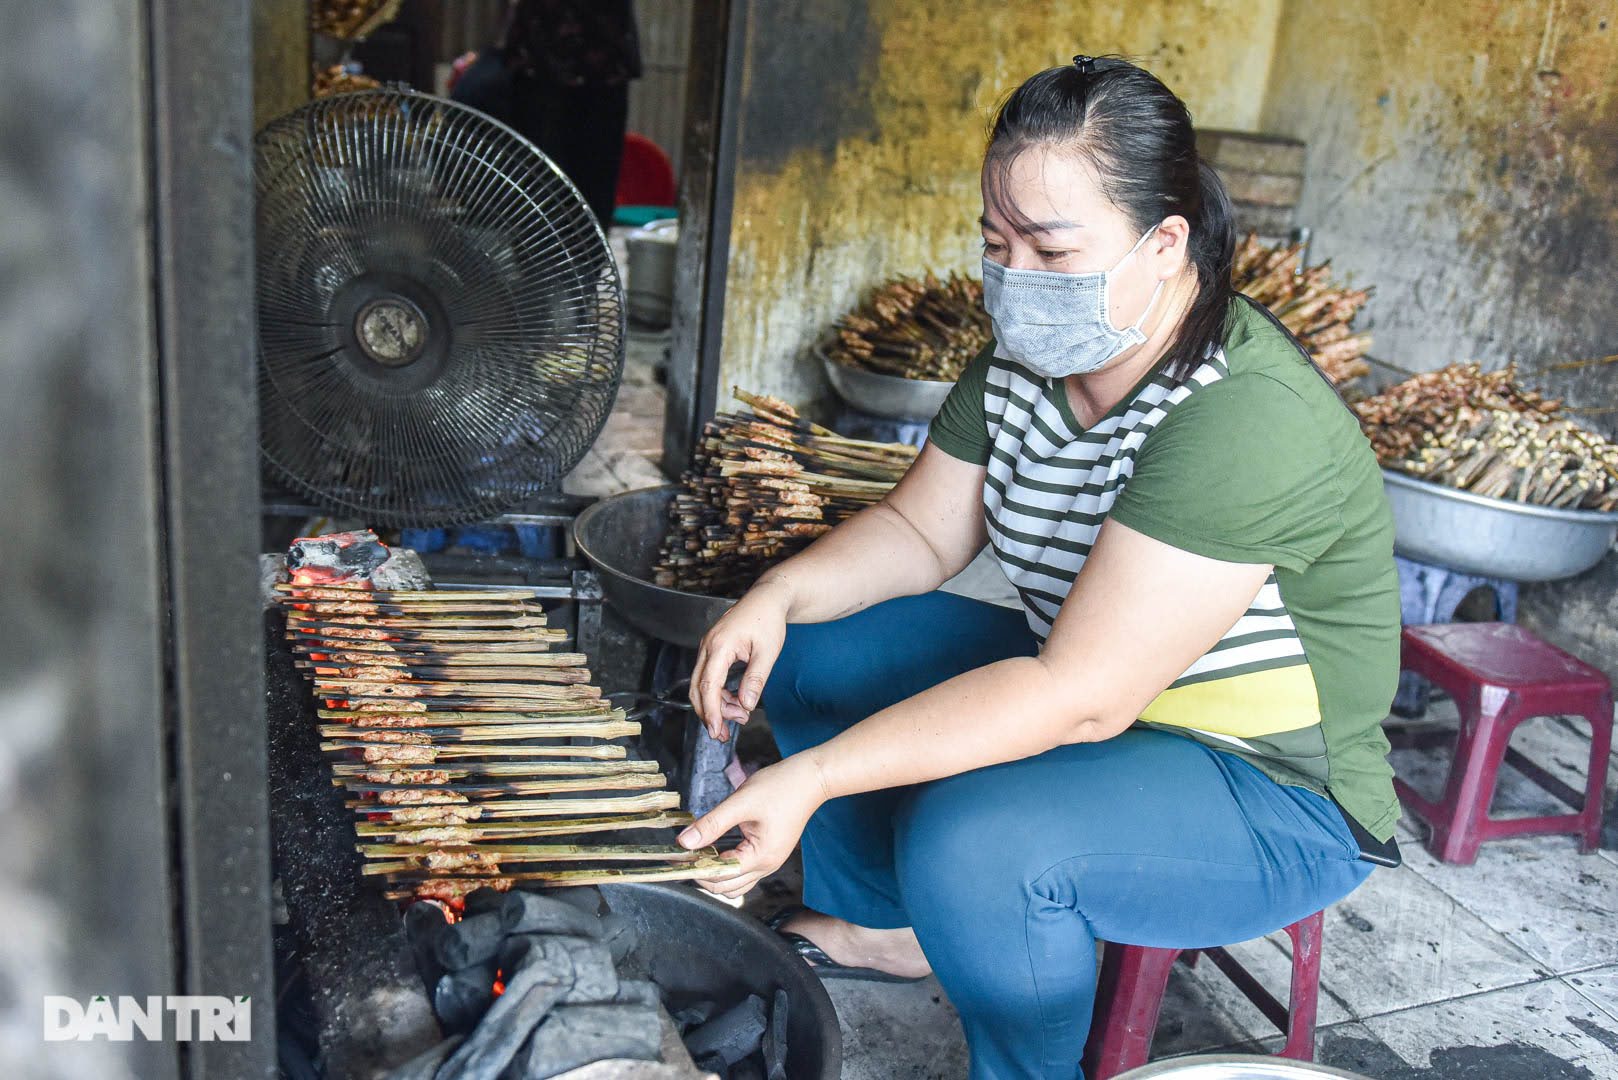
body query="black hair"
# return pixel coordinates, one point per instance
(1138, 137)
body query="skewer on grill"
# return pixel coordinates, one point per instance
(408, 887)
(405, 858)
(494, 790)
(560, 712)
(341, 770)
(508, 830)
(516, 808)
(401, 596)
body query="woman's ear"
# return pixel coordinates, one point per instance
(1170, 246)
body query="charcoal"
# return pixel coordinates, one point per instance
(639, 992)
(587, 898)
(595, 978)
(532, 988)
(732, 1035)
(485, 899)
(775, 1038)
(424, 1066)
(460, 998)
(698, 1012)
(712, 1063)
(749, 1068)
(534, 913)
(470, 941)
(619, 935)
(490, 1048)
(575, 1035)
(424, 923)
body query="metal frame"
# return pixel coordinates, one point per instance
(707, 189)
(202, 212)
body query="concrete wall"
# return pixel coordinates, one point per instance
(862, 130)
(1462, 156)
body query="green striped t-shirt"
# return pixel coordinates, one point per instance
(1253, 459)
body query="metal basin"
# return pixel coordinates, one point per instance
(621, 536)
(1494, 537)
(695, 947)
(1235, 1067)
(887, 396)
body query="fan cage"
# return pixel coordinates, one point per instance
(440, 320)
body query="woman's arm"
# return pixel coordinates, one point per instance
(1140, 613)
(920, 535)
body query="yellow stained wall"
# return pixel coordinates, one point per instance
(859, 144)
(1463, 157)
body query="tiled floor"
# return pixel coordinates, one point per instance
(1504, 970)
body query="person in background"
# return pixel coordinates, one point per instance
(560, 77)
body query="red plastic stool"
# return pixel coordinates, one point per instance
(1499, 676)
(1133, 979)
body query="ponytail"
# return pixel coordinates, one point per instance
(1211, 249)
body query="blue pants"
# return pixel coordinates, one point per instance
(1010, 873)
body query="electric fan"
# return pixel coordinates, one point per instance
(440, 320)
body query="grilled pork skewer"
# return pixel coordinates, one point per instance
(512, 830)
(505, 809)
(425, 885)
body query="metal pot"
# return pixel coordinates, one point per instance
(621, 536)
(1235, 1067)
(651, 272)
(1499, 538)
(692, 945)
(888, 396)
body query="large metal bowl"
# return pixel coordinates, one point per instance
(1235, 1067)
(889, 396)
(621, 536)
(1494, 537)
(696, 948)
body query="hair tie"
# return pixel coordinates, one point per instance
(1085, 64)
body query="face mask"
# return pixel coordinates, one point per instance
(1057, 324)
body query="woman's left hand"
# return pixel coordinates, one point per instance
(771, 807)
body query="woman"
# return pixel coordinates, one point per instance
(1168, 744)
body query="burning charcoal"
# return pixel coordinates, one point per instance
(618, 934)
(732, 1035)
(424, 1066)
(485, 899)
(587, 898)
(462, 997)
(639, 992)
(575, 1035)
(775, 1038)
(470, 941)
(699, 1012)
(532, 913)
(532, 988)
(338, 557)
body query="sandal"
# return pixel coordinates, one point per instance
(821, 964)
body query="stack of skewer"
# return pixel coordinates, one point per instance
(915, 329)
(471, 753)
(1483, 432)
(763, 487)
(350, 19)
(1307, 303)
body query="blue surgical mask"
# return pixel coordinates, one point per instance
(1057, 324)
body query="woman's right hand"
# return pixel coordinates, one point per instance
(751, 632)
